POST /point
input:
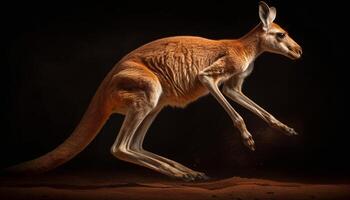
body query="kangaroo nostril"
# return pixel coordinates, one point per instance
(300, 50)
(296, 49)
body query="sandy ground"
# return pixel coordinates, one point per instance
(134, 186)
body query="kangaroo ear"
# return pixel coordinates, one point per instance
(266, 14)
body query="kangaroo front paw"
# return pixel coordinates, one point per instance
(248, 141)
(284, 128)
(289, 131)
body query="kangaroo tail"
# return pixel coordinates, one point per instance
(93, 120)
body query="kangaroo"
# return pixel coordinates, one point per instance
(173, 71)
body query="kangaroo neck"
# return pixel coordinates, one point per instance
(248, 46)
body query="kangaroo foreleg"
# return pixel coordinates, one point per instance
(210, 77)
(233, 89)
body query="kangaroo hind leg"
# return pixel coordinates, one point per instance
(139, 90)
(137, 143)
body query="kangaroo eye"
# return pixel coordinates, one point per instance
(280, 35)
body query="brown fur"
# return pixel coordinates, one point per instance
(177, 61)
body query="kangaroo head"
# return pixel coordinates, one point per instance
(273, 38)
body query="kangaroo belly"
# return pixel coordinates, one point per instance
(178, 75)
(177, 61)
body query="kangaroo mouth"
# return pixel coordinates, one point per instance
(293, 55)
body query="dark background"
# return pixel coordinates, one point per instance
(56, 54)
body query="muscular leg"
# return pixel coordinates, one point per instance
(210, 77)
(139, 91)
(233, 89)
(139, 138)
(122, 146)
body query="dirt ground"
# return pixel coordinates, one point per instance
(92, 185)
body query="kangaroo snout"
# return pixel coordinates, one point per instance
(295, 52)
(298, 50)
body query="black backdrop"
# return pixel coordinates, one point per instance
(56, 54)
